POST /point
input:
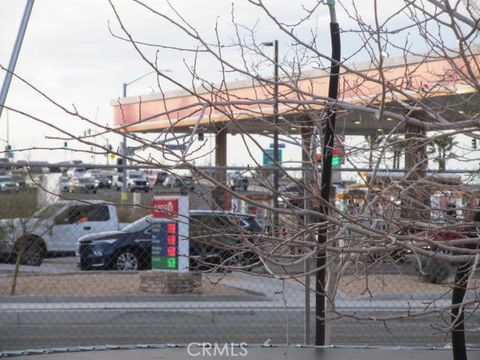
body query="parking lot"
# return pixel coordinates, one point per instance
(58, 265)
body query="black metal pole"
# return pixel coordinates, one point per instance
(329, 142)
(458, 329)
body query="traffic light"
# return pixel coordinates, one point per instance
(474, 144)
(9, 151)
(336, 158)
(120, 162)
(65, 145)
(201, 136)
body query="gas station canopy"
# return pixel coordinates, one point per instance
(247, 106)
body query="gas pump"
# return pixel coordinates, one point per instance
(170, 233)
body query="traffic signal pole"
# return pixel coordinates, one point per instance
(326, 178)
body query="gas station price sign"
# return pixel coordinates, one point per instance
(170, 244)
(165, 245)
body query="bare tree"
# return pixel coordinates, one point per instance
(415, 85)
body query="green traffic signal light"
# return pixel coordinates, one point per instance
(336, 161)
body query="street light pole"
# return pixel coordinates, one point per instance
(124, 150)
(16, 51)
(124, 141)
(275, 134)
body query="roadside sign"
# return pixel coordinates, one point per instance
(268, 155)
(280, 146)
(165, 208)
(170, 233)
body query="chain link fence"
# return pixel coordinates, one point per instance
(76, 271)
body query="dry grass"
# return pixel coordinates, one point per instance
(90, 284)
(93, 284)
(361, 286)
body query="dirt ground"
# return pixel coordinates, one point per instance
(93, 284)
(128, 284)
(363, 286)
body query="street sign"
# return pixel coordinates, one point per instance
(130, 151)
(280, 146)
(269, 152)
(174, 147)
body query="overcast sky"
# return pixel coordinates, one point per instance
(69, 53)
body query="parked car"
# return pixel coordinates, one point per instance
(7, 184)
(93, 173)
(20, 180)
(237, 181)
(135, 181)
(64, 183)
(101, 180)
(179, 181)
(83, 185)
(157, 178)
(76, 172)
(55, 229)
(214, 239)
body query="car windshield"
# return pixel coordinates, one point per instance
(135, 176)
(139, 225)
(48, 211)
(5, 179)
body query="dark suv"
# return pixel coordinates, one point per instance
(217, 239)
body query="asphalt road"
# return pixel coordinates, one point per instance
(54, 322)
(81, 328)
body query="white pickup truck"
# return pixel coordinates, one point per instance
(55, 229)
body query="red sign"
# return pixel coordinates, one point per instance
(165, 208)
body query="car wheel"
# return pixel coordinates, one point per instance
(147, 190)
(127, 260)
(32, 252)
